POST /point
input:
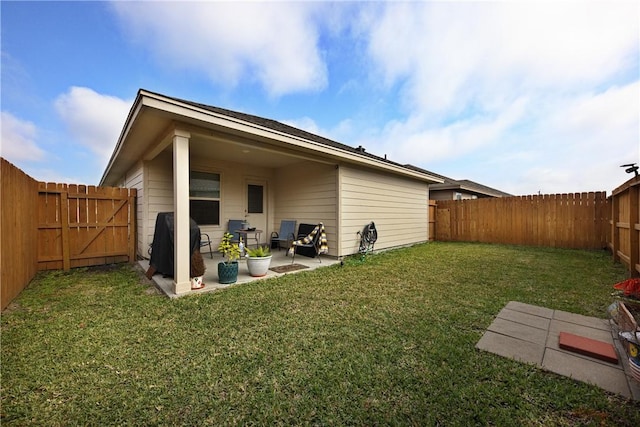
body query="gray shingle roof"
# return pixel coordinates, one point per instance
(462, 184)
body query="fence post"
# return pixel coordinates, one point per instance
(634, 250)
(615, 231)
(64, 221)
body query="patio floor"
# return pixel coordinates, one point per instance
(529, 334)
(210, 278)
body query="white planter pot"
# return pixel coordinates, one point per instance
(258, 266)
(196, 283)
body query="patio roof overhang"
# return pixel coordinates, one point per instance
(153, 119)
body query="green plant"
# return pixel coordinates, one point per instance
(259, 252)
(231, 251)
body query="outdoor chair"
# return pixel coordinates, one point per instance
(286, 234)
(206, 241)
(311, 244)
(235, 224)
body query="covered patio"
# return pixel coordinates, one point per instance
(218, 166)
(210, 278)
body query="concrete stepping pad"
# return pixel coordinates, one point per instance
(531, 334)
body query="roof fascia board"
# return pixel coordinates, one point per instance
(479, 192)
(460, 187)
(472, 190)
(444, 186)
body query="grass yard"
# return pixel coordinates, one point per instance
(385, 341)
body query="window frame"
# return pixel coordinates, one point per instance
(205, 198)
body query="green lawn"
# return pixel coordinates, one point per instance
(385, 341)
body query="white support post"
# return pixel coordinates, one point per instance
(182, 255)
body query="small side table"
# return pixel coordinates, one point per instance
(256, 235)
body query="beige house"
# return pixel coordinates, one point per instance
(214, 165)
(463, 189)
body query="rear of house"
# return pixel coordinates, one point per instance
(219, 165)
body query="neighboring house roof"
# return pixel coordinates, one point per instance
(474, 187)
(463, 185)
(190, 112)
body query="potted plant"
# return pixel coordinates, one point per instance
(197, 270)
(228, 269)
(258, 261)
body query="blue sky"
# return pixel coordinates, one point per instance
(525, 97)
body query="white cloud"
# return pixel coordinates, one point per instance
(19, 140)
(573, 144)
(412, 139)
(450, 57)
(609, 118)
(47, 174)
(94, 120)
(531, 96)
(591, 135)
(305, 123)
(343, 131)
(272, 43)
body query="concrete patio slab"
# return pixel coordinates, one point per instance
(578, 319)
(512, 348)
(210, 278)
(606, 376)
(525, 319)
(530, 309)
(530, 334)
(594, 333)
(523, 332)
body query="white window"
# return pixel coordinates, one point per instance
(204, 198)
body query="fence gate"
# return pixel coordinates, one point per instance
(443, 224)
(82, 225)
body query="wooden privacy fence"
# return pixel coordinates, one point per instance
(82, 225)
(432, 219)
(53, 226)
(579, 221)
(18, 231)
(625, 225)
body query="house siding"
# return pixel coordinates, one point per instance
(158, 197)
(344, 198)
(233, 179)
(306, 192)
(135, 179)
(452, 195)
(443, 195)
(398, 206)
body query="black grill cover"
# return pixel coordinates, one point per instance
(162, 246)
